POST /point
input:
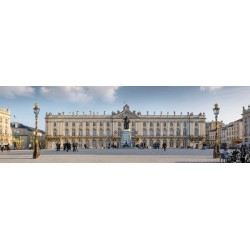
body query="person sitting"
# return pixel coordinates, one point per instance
(227, 155)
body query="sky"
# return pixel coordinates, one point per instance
(196, 99)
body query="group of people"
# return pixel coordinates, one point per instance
(67, 146)
(241, 154)
(5, 147)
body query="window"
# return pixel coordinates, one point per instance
(164, 132)
(151, 124)
(101, 132)
(101, 124)
(66, 132)
(178, 124)
(80, 132)
(184, 132)
(171, 124)
(133, 124)
(196, 124)
(87, 123)
(144, 124)
(73, 132)
(144, 132)
(119, 124)
(158, 124)
(171, 132)
(54, 124)
(80, 124)
(73, 124)
(164, 124)
(94, 124)
(151, 132)
(178, 133)
(184, 124)
(108, 132)
(87, 132)
(94, 132)
(158, 132)
(196, 132)
(119, 132)
(66, 124)
(107, 124)
(133, 132)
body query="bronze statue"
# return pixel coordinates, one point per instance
(126, 123)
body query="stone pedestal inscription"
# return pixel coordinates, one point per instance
(126, 138)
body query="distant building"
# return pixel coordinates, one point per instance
(211, 131)
(96, 131)
(246, 124)
(23, 136)
(5, 130)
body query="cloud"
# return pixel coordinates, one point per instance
(210, 88)
(14, 91)
(80, 94)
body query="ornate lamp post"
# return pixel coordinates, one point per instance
(216, 153)
(36, 152)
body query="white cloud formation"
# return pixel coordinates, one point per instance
(14, 91)
(79, 93)
(210, 88)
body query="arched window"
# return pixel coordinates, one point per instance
(80, 132)
(101, 132)
(171, 124)
(94, 132)
(144, 132)
(184, 132)
(164, 124)
(108, 132)
(178, 132)
(164, 132)
(54, 132)
(151, 132)
(144, 124)
(158, 132)
(171, 132)
(87, 132)
(151, 124)
(73, 132)
(66, 132)
(73, 124)
(196, 132)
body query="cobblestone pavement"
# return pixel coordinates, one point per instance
(111, 156)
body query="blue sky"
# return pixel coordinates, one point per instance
(21, 99)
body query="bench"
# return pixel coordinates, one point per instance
(223, 158)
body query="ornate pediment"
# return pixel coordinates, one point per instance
(124, 113)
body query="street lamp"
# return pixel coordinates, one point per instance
(36, 152)
(216, 153)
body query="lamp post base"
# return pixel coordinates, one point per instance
(216, 152)
(36, 152)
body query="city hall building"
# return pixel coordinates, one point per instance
(101, 131)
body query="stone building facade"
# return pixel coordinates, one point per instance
(96, 131)
(246, 124)
(5, 130)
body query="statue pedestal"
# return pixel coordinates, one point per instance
(126, 138)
